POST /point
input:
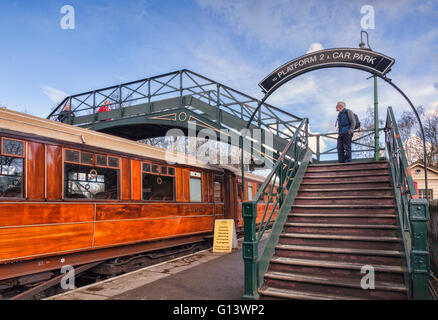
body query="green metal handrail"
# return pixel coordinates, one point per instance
(334, 136)
(275, 187)
(413, 213)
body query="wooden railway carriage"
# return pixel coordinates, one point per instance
(73, 196)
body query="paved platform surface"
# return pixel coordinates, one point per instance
(200, 276)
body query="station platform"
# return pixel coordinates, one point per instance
(203, 275)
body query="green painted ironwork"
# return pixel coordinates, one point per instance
(162, 100)
(420, 259)
(413, 213)
(277, 188)
(361, 146)
(376, 122)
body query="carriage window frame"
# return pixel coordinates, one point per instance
(262, 196)
(158, 173)
(23, 157)
(195, 177)
(220, 180)
(94, 164)
(239, 191)
(250, 196)
(12, 155)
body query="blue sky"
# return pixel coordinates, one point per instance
(233, 42)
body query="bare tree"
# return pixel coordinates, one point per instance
(366, 137)
(411, 135)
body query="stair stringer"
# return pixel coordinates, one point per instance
(404, 243)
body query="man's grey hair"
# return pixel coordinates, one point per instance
(342, 103)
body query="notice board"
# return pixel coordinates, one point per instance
(225, 238)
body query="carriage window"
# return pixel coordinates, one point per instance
(11, 168)
(249, 191)
(218, 196)
(87, 158)
(113, 162)
(71, 155)
(12, 147)
(101, 160)
(87, 182)
(195, 187)
(89, 177)
(262, 197)
(158, 186)
(239, 191)
(11, 177)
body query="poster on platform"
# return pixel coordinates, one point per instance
(225, 238)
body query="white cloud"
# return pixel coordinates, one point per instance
(315, 47)
(54, 94)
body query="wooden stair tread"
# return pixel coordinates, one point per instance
(344, 182)
(340, 237)
(337, 164)
(348, 169)
(343, 206)
(334, 264)
(342, 197)
(345, 176)
(332, 281)
(293, 294)
(346, 189)
(342, 215)
(340, 225)
(295, 247)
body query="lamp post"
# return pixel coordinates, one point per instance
(376, 105)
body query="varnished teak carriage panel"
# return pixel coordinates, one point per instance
(26, 242)
(125, 231)
(27, 214)
(151, 210)
(54, 172)
(35, 171)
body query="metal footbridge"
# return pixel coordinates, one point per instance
(150, 107)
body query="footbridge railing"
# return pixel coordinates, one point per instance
(363, 146)
(277, 194)
(173, 99)
(413, 213)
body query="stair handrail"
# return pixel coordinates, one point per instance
(413, 212)
(398, 160)
(275, 188)
(363, 133)
(282, 171)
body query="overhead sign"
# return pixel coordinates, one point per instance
(363, 59)
(225, 238)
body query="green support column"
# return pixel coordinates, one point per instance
(376, 123)
(250, 250)
(420, 260)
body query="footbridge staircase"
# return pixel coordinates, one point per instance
(343, 231)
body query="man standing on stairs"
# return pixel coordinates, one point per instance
(346, 123)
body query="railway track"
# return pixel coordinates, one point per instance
(96, 271)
